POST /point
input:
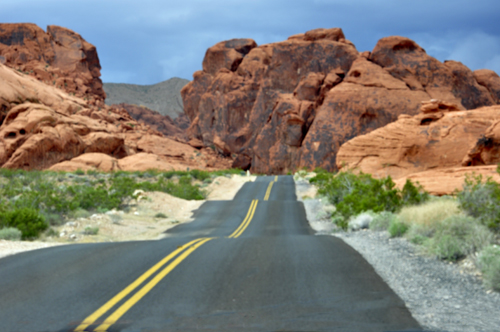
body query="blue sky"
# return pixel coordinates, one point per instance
(148, 41)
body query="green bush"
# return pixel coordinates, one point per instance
(352, 194)
(457, 237)
(489, 263)
(381, 221)
(397, 228)
(10, 233)
(27, 220)
(91, 230)
(482, 201)
(80, 213)
(160, 215)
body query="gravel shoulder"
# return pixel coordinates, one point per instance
(440, 296)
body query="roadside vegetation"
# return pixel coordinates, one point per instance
(32, 201)
(450, 228)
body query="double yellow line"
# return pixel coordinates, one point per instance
(244, 224)
(188, 248)
(268, 191)
(179, 254)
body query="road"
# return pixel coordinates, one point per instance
(250, 264)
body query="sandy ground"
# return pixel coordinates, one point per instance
(140, 222)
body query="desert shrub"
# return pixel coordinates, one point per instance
(80, 213)
(425, 218)
(160, 215)
(489, 263)
(397, 228)
(53, 219)
(79, 172)
(91, 230)
(352, 194)
(10, 233)
(458, 236)
(27, 220)
(413, 194)
(199, 175)
(481, 200)
(381, 221)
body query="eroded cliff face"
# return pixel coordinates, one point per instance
(58, 57)
(292, 104)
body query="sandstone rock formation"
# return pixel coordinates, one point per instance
(44, 127)
(446, 181)
(163, 123)
(431, 147)
(439, 137)
(292, 104)
(58, 57)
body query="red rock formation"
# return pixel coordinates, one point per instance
(44, 127)
(291, 104)
(446, 181)
(491, 81)
(439, 137)
(58, 57)
(162, 123)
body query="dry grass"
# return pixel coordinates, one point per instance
(429, 214)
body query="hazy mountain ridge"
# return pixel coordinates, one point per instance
(163, 97)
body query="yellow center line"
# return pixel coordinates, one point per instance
(144, 290)
(244, 224)
(118, 297)
(268, 192)
(276, 178)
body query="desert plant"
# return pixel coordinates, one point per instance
(381, 221)
(10, 233)
(160, 215)
(458, 236)
(27, 220)
(397, 228)
(489, 263)
(481, 200)
(353, 194)
(424, 219)
(91, 230)
(80, 213)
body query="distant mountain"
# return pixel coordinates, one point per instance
(163, 97)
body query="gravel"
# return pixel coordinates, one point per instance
(440, 296)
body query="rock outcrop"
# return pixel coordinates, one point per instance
(58, 57)
(44, 127)
(292, 104)
(431, 147)
(175, 129)
(440, 136)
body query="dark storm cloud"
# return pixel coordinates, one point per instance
(148, 41)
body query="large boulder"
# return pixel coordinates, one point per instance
(58, 57)
(281, 106)
(440, 136)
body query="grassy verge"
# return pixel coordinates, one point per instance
(32, 201)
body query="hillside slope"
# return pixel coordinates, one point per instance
(163, 97)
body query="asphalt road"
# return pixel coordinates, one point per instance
(251, 264)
